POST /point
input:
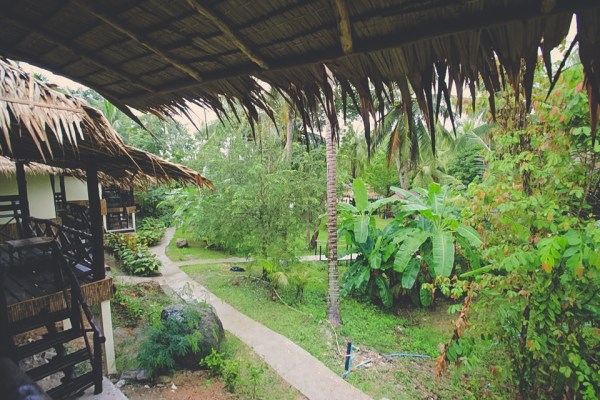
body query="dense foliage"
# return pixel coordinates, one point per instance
(133, 253)
(543, 244)
(264, 204)
(151, 230)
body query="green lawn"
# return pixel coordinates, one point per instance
(195, 251)
(373, 330)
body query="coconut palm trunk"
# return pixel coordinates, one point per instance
(289, 133)
(333, 288)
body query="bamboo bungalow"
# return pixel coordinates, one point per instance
(50, 271)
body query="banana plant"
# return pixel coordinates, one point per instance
(371, 272)
(433, 228)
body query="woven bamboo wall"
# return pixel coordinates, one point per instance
(94, 293)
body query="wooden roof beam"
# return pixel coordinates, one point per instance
(83, 55)
(343, 24)
(180, 65)
(233, 36)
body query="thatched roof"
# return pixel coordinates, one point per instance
(40, 124)
(8, 168)
(156, 55)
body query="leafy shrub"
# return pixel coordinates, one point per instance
(133, 253)
(154, 203)
(167, 339)
(536, 212)
(138, 305)
(151, 230)
(218, 365)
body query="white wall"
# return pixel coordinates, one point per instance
(39, 192)
(76, 189)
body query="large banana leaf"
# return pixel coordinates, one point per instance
(384, 290)
(443, 253)
(360, 194)
(361, 228)
(379, 203)
(408, 248)
(409, 276)
(470, 234)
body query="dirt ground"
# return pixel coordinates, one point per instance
(184, 385)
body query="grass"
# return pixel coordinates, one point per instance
(269, 385)
(374, 331)
(196, 249)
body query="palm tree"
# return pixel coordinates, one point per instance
(353, 153)
(333, 287)
(404, 130)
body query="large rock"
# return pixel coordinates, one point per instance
(181, 243)
(209, 326)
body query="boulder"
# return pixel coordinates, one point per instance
(209, 326)
(181, 243)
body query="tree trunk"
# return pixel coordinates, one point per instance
(333, 288)
(402, 178)
(290, 134)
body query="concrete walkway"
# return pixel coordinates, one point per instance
(301, 370)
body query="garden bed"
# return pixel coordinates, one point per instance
(135, 307)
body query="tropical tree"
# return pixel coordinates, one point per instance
(333, 287)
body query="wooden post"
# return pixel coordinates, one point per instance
(61, 180)
(23, 199)
(97, 230)
(109, 345)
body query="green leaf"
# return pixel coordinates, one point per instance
(409, 276)
(360, 194)
(414, 207)
(408, 248)
(375, 260)
(379, 203)
(361, 228)
(425, 296)
(443, 253)
(384, 290)
(470, 234)
(347, 207)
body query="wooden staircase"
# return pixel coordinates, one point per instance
(78, 353)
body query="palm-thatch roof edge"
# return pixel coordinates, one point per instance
(158, 56)
(41, 125)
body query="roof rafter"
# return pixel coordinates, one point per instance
(141, 40)
(102, 64)
(343, 23)
(233, 36)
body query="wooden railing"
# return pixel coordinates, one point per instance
(76, 216)
(78, 302)
(10, 212)
(74, 245)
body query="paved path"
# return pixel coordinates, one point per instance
(301, 370)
